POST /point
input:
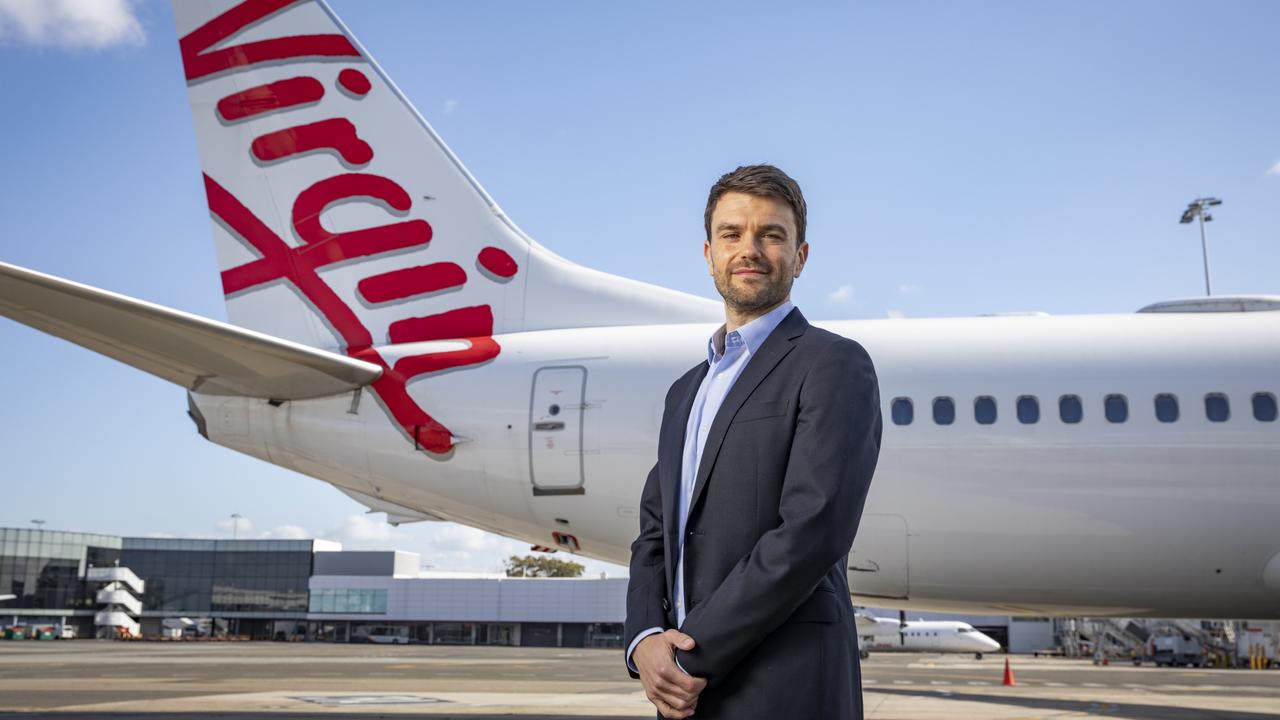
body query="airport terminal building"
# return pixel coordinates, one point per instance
(314, 590)
(289, 589)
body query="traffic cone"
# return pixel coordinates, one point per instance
(1008, 674)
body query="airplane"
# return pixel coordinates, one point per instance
(947, 636)
(393, 333)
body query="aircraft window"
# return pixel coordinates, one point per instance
(1166, 407)
(944, 410)
(1117, 408)
(984, 410)
(964, 629)
(1216, 407)
(902, 410)
(1070, 409)
(1264, 407)
(1028, 409)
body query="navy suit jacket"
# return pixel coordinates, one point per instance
(775, 507)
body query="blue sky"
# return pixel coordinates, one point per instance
(958, 158)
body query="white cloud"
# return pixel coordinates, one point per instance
(70, 23)
(240, 527)
(367, 532)
(1275, 169)
(450, 105)
(908, 289)
(286, 532)
(893, 314)
(840, 295)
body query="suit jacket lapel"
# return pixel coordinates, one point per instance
(672, 467)
(772, 350)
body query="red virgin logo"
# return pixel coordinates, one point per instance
(298, 266)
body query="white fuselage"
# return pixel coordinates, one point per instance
(1139, 518)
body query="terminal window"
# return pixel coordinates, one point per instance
(371, 601)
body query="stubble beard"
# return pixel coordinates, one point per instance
(749, 301)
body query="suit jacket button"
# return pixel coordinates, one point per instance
(666, 605)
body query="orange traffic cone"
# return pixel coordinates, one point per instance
(1008, 674)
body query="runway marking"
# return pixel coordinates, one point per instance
(939, 682)
(1135, 686)
(979, 682)
(1093, 685)
(368, 699)
(1055, 684)
(904, 682)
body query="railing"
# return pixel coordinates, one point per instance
(116, 574)
(114, 595)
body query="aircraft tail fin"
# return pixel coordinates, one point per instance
(343, 221)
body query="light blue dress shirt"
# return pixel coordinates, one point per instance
(727, 355)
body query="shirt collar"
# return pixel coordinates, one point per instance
(752, 335)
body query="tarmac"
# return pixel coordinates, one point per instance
(93, 679)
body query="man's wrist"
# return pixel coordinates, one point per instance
(636, 642)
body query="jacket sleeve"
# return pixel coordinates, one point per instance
(648, 583)
(833, 455)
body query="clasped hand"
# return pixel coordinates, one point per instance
(673, 691)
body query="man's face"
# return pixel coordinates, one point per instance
(752, 253)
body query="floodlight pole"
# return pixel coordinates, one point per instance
(1204, 250)
(1197, 209)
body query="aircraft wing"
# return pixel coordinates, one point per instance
(863, 620)
(202, 355)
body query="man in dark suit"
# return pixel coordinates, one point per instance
(738, 603)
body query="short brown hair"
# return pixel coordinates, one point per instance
(761, 181)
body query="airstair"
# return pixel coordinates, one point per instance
(119, 597)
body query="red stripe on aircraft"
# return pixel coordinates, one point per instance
(497, 261)
(467, 322)
(270, 97)
(407, 282)
(354, 82)
(337, 134)
(201, 62)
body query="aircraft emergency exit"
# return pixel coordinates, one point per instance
(392, 332)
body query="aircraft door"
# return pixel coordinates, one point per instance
(555, 430)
